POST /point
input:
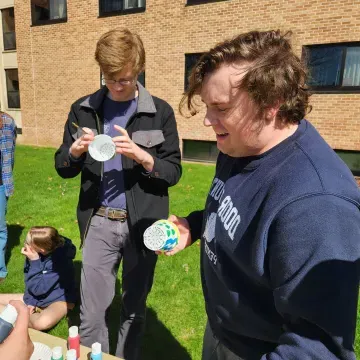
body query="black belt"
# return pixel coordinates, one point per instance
(114, 214)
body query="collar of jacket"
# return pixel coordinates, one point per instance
(145, 102)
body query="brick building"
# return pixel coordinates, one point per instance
(56, 42)
(9, 80)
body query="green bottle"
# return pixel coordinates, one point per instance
(57, 353)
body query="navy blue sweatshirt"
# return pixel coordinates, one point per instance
(51, 278)
(280, 252)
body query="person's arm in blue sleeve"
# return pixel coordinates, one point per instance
(39, 281)
(314, 260)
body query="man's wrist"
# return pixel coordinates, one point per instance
(147, 162)
(73, 156)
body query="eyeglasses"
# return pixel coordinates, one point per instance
(122, 82)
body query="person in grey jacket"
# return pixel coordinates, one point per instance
(121, 197)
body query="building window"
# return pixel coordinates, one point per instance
(48, 11)
(113, 7)
(190, 62)
(351, 159)
(197, 150)
(141, 79)
(12, 86)
(334, 67)
(8, 26)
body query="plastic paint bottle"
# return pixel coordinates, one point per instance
(7, 319)
(96, 353)
(74, 340)
(71, 354)
(57, 353)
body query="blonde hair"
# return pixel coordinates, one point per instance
(117, 48)
(44, 237)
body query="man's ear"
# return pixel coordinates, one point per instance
(271, 112)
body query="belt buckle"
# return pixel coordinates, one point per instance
(111, 213)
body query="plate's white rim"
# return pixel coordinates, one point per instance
(92, 147)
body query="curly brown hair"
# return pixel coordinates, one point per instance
(275, 74)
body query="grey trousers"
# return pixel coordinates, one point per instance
(106, 244)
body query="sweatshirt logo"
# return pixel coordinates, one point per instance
(217, 189)
(209, 233)
(229, 216)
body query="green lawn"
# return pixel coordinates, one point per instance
(176, 316)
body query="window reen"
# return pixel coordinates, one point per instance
(334, 67)
(197, 150)
(48, 11)
(113, 7)
(190, 62)
(351, 159)
(12, 87)
(8, 26)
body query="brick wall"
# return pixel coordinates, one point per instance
(56, 63)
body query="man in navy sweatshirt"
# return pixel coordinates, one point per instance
(280, 233)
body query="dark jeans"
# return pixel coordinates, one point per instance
(106, 245)
(213, 349)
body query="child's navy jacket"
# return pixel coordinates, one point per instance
(51, 278)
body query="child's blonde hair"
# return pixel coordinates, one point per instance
(44, 237)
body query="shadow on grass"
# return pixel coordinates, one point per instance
(14, 235)
(158, 341)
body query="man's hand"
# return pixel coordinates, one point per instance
(29, 252)
(18, 346)
(185, 235)
(125, 146)
(81, 144)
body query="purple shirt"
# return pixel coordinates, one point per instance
(112, 185)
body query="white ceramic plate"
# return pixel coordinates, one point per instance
(41, 352)
(102, 148)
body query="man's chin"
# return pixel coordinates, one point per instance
(224, 149)
(229, 151)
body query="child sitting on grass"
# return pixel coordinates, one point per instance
(49, 277)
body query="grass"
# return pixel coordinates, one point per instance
(176, 315)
